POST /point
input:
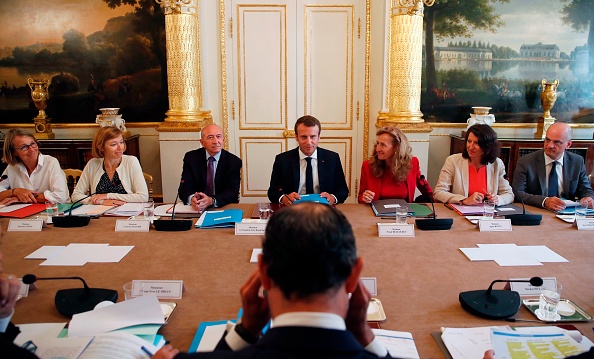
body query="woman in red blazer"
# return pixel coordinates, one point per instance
(391, 171)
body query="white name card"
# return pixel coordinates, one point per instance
(163, 289)
(395, 230)
(371, 284)
(250, 228)
(24, 290)
(494, 225)
(25, 225)
(255, 253)
(133, 225)
(526, 289)
(585, 224)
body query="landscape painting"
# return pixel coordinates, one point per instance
(496, 53)
(95, 53)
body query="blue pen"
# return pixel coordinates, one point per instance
(144, 349)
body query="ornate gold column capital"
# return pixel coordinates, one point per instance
(406, 127)
(409, 7)
(179, 6)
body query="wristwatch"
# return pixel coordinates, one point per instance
(245, 334)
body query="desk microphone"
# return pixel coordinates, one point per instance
(170, 225)
(524, 219)
(76, 300)
(495, 304)
(432, 224)
(70, 221)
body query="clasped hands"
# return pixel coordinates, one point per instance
(201, 202)
(22, 195)
(289, 199)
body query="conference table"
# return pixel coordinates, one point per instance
(418, 278)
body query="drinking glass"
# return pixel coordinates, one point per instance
(131, 291)
(401, 214)
(264, 209)
(149, 210)
(52, 210)
(488, 209)
(547, 304)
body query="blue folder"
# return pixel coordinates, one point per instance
(220, 219)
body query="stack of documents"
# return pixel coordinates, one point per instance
(387, 208)
(78, 254)
(220, 219)
(126, 210)
(509, 254)
(21, 210)
(89, 210)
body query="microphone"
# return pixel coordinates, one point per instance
(76, 300)
(170, 225)
(70, 221)
(524, 219)
(495, 304)
(432, 224)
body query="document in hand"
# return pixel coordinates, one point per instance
(219, 219)
(312, 198)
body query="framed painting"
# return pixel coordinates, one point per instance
(94, 53)
(495, 53)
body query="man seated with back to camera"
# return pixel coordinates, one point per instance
(308, 267)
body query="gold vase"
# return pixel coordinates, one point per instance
(548, 96)
(40, 95)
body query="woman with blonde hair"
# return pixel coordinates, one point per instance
(391, 172)
(112, 177)
(30, 176)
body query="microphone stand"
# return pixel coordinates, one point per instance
(170, 225)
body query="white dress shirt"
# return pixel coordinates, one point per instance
(47, 178)
(302, 169)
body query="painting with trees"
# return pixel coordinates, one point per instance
(496, 52)
(96, 53)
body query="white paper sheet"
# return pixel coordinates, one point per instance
(126, 210)
(140, 310)
(255, 253)
(37, 332)
(13, 207)
(45, 252)
(544, 254)
(477, 254)
(75, 254)
(511, 344)
(468, 343)
(211, 337)
(399, 344)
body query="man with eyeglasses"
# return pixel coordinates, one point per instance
(543, 178)
(30, 176)
(211, 175)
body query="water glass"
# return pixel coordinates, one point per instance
(132, 291)
(149, 210)
(548, 303)
(581, 211)
(488, 209)
(52, 210)
(264, 209)
(401, 214)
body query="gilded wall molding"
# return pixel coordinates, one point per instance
(367, 79)
(223, 61)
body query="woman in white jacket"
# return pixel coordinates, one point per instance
(112, 177)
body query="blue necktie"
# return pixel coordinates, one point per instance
(210, 172)
(309, 188)
(553, 181)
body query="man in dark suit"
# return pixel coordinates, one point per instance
(201, 189)
(308, 267)
(538, 185)
(290, 178)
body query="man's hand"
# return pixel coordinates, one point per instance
(9, 292)
(24, 195)
(256, 312)
(289, 199)
(329, 197)
(167, 352)
(554, 204)
(587, 202)
(201, 202)
(489, 354)
(356, 319)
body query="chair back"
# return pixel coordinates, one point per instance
(72, 177)
(149, 183)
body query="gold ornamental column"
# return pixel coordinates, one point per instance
(405, 62)
(182, 31)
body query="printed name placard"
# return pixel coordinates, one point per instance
(132, 225)
(585, 224)
(526, 289)
(371, 284)
(395, 230)
(24, 290)
(494, 225)
(250, 228)
(25, 225)
(163, 289)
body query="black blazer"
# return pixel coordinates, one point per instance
(285, 175)
(530, 178)
(8, 349)
(296, 342)
(227, 177)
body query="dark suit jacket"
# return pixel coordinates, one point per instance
(296, 342)
(530, 181)
(8, 349)
(227, 177)
(285, 175)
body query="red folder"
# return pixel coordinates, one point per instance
(27, 211)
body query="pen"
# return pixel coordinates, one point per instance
(523, 320)
(144, 349)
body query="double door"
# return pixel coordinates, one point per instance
(289, 58)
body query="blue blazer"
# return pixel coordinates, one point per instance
(295, 342)
(285, 175)
(530, 178)
(227, 177)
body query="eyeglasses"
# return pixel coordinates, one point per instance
(24, 148)
(555, 142)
